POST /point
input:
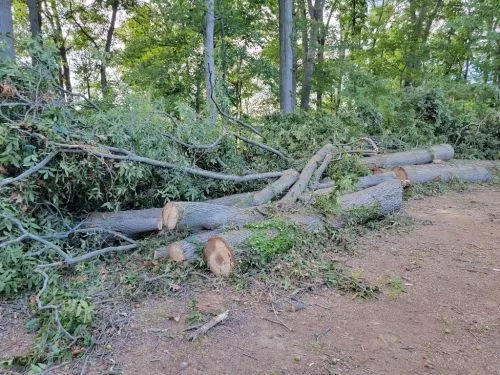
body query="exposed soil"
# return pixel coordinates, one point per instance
(446, 321)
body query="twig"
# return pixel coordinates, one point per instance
(258, 144)
(212, 323)
(54, 308)
(278, 322)
(30, 171)
(323, 333)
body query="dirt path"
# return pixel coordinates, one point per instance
(447, 320)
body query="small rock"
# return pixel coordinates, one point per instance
(184, 365)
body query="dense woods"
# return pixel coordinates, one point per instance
(185, 119)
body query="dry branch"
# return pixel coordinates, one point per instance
(417, 156)
(206, 327)
(30, 171)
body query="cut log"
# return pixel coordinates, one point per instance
(235, 200)
(374, 179)
(419, 174)
(388, 195)
(185, 250)
(305, 176)
(222, 250)
(197, 216)
(418, 156)
(130, 223)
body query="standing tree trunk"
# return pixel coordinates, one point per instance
(63, 51)
(286, 55)
(6, 30)
(316, 14)
(209, 59)
(107, 48)
(35, 17)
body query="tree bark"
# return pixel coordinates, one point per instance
(35, 18)
(209, 60)
(107, 47)
(286, 55)
(316, 14)
(6, 30)
(63, 51)
(419, 174)
(306, 174)
(417, 156)
(196, 216)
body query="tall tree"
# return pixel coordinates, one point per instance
(209, 59)
(316, 20)
(6, 30)
(287, 103)
(35, 17)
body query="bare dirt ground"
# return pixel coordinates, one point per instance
(446, 321)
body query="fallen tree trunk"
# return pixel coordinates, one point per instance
(387, 196)
(419, 174)
(418, 156)
(130, 223)
(197, 216)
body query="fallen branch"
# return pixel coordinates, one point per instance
(306, 174)
(107, 152)
(30, 171)
(206, 327)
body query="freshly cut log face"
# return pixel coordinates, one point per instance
(419, 174)
(222, 250)
(130, 223)
(185, 250)
(418, 156)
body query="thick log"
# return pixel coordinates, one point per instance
(388, 195)
(130, 223)
(305, 176)
(419, 174)
(235, 200)
(185, 250)
(222, 250)
(197, 216)
(363, 182)
(418, 156)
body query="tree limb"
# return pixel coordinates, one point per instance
(30, 171)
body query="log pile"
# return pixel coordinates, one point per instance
(218, 226)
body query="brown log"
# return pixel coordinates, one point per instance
(418, 156)
(221, 251)
(197, 216)
(185, 250)
(419, 174)
(130, 223)
(305, 176)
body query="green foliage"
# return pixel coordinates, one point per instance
(262, 248)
